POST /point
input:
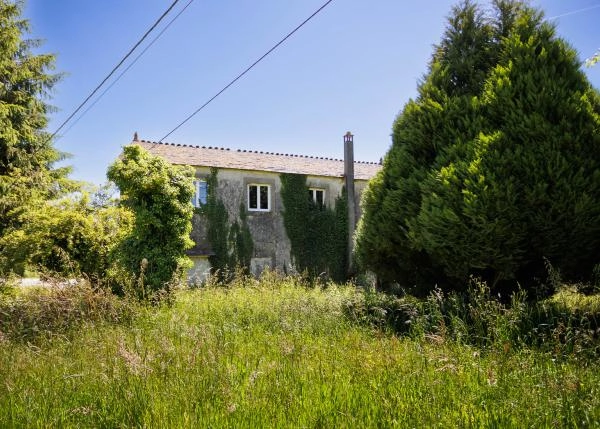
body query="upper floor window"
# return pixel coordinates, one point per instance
(200, 193)
(259, 197)
(317, 196)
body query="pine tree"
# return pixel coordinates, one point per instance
(26, 152)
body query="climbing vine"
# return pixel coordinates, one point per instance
(231, 243)
(318, 234)
(240, 241)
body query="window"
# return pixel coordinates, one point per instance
(200, 193)
(259, 198)
(317, 196)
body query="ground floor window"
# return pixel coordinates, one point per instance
(259, 197)
(200, 193)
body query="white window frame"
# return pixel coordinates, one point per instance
(196, 199)
(258, 188)
(313, 195)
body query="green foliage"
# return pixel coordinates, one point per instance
(281, 354)
(159, 196)
(565, 325)
(241, 241)
(26, 153)
(494, 167)
(68, 237)
(318, 235)
(42, 314)
(217, 224)
(231, 243)
(593, 59)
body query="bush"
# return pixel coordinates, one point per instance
(67, 238)
(568, 324)
(159, 196)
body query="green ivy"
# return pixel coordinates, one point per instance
(240, 239)
(231, 243)
(318, 234)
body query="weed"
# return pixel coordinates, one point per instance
(282, 352)
(58, 310)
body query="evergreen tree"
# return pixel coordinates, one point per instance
(428, 132)
(511, 181)
(26, 152)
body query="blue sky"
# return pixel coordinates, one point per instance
(352, 67)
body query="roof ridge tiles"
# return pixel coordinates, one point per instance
(292, 155)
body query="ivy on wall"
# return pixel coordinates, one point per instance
(240, 240)
(231, 243)
(318, 234)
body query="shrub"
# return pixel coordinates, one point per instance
(159, 196)
(67, 238)
(568, 324)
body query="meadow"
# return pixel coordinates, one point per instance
(282, 353)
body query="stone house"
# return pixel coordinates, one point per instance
(253, 178)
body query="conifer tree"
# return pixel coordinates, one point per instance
(26, 152)
(430, 129)
(528, 191)
(506, 184)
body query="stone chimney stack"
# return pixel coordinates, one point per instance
(349, 177)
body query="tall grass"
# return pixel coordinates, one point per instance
(566, 325)
(276, 353)
(34, 314)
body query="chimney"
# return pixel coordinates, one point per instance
(349, 177)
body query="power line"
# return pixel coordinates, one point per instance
(129, 66)
(245, 71)
(114, 69)
(585, 9)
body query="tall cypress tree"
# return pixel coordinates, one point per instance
(431, 130)
(529, 190)
(26, 151)
(492, 172)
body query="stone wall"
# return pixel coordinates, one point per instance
(271, 244)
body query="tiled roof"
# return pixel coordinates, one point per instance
(202, 156)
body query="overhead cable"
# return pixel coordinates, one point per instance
(245, 71)
(130, 65)
(165, 13)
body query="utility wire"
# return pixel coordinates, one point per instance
(129, 66)
(245, 71)
(114, 69)
(573, 12)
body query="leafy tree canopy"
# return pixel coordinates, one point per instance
(159, 195)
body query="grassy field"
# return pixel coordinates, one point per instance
(276, 354)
